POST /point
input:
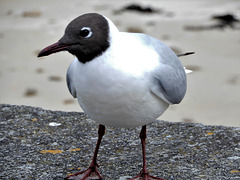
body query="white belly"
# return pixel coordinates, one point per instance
(113, 98)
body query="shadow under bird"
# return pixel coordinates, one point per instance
(120, 79)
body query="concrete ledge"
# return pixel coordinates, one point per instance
(43, 144)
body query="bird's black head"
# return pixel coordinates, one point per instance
(86, 37)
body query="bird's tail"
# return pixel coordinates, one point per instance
(187, 71)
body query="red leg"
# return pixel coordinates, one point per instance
(92, 171)
(144, 173)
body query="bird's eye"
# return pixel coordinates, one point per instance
(86, 32)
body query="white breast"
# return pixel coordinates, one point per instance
(113, 89)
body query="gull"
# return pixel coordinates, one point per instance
(120, 79)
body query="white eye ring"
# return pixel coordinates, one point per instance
(89, 31)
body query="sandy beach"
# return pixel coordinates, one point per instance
(212, 97)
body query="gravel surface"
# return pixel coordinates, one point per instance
(42, 144)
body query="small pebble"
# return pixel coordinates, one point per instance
(30, 92)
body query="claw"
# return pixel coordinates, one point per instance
(91, 173)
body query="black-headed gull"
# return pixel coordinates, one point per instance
(120, 79)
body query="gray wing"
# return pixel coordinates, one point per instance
(70, 81)
(169, 84)
(169, 78)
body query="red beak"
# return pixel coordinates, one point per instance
(56, 47)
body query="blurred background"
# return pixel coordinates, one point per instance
(210, 28)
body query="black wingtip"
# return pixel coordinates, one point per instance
(185, 54)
